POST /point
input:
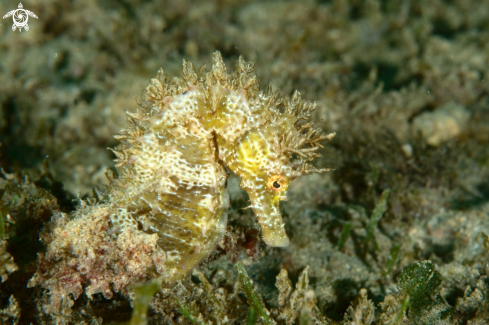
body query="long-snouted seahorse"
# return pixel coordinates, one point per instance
(172, 160)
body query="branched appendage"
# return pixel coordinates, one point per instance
(188, 74)
(293, 142)
(154, 92)
(246, 79)
(130, 136)
(295, 106)
(122, 158)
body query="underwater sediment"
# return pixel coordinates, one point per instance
(396, 233)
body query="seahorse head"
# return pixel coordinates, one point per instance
(268, 158)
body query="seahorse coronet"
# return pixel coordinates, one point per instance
(172, 160)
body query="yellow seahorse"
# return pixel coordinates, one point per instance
(172, 160)
(167, 210)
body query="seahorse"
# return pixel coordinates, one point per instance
(172, 161)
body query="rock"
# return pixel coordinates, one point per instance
(441, 125)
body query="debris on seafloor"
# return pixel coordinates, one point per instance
(383, 73)
(443, 124)
(7, 264)
(10, 314)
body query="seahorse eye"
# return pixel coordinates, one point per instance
(277, 183)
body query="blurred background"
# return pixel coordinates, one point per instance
(402, 83)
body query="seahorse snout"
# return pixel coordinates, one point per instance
(267, 211)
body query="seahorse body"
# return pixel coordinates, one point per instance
(171, 162)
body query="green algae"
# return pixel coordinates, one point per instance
(419, 282)
(344, 234)
(144, 293)
(377, 214)
(2, 226)
(254, 299)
